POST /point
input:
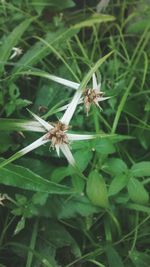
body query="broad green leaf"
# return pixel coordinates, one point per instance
(138, 26)
(117, 184)
(115, 166)
(96, 190)
(141, 169)
(114, 258)
(21, 177)
(78, 183)
(65, 208)
(12, 40)
(140, 259)
(94, 19)
(58, 174)
(56, 234)
(42, 168)
(5, 141)
(39, 198)
(137, 192)
(83, 157)
(77, 206)
(104, 146)
(21, 200)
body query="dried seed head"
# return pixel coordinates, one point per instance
(57, 135)
(92, 96)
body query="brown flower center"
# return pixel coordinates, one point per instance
(91, 96)
(57, 135)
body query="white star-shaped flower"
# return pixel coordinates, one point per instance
(57, 134)
(89, 96)
(16, 52)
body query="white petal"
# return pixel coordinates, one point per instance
(103, 98)
(77, 137)
(44, 123)
(99, 87)
(95, 85)
(71, 108)
(58, 150)
(62, 81)
(25, 150)
(66, 106)
(67, 153)
(31, 126)
(39, 142)
(13, 55)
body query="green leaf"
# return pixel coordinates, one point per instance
(77, 206)
(104, 146)
(94, 19)
(21, 177)
(73, 207)
(96, 190)
(13, 91)
(60, 173)
(140, 259)
(39, 50)
(138, 26)
(5, 141)
(20, 225)
(57, 235)
(39, 5)
(117, 184)
(12, 40)
(141, 169)
(138, 207)
(83, 157)
(21, 200)
(115, 166)
(137, 192)
(114, 258)
(78, 183)
(39, 198)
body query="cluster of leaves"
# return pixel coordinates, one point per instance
(51, 215)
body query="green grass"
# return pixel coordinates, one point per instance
(52, 215)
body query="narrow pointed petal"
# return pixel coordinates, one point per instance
(67, 153)
(27, 149)
(60, 80)
(95, 85)
(58, 150)
(71, 108)
(13, 55)
(44, 123)
(103, 98)
(99, 87)
(66, 106)
(78, 137)
(97, 104)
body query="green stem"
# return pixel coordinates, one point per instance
(121, 105)
(32, 245)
